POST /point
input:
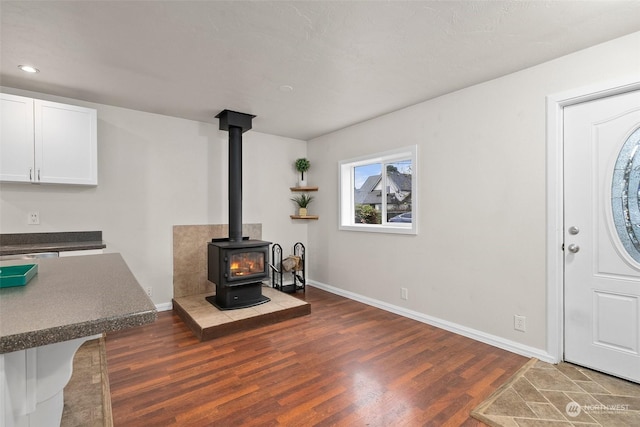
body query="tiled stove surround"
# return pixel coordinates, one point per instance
(190, 255)
(191, 287)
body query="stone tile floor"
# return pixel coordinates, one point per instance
(87, 402)
(542, 394)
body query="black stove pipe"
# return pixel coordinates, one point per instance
(236, 123)
(235, 184)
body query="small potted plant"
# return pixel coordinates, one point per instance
(302, 165)
(302, 200)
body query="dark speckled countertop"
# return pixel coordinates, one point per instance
(70, 298)
(25, 243)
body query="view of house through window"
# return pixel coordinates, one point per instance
(379, 191)
(381, 196)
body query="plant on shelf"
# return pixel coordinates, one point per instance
(302, 200)
(302, 165)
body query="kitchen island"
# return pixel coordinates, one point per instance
(42, 324)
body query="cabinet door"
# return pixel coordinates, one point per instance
(65, 144)
(16, 138)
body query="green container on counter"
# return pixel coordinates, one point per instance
(17, 275)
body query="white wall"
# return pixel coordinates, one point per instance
(479, 257)
(154, 172)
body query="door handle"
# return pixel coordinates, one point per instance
(574, 230)
(573, 248)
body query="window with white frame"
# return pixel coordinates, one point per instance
(378, 193)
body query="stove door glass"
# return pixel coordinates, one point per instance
(243, 264)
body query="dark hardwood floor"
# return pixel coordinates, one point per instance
(345, 364)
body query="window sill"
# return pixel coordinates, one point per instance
(379, 229)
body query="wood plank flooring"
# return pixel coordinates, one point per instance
(345, 364)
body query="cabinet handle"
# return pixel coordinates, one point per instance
(30, 174)
(38, 174)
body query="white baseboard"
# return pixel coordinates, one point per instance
(493, 340)
(165, 306)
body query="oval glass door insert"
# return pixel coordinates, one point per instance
(625, 203)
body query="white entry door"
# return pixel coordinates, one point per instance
(602, 234)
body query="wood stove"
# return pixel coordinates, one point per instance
(237, 269)
(237, 265)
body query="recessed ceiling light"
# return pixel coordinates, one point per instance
(28, 69)
(286, 88)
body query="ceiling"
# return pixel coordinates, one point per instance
(304, 68)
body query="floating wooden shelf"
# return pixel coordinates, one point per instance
(304, 217)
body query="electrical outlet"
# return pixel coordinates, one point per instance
(149, 291)
(33, 218)
(404, 293)
(520, 323)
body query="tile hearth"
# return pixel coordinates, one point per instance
(208, 322)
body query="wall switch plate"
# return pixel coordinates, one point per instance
(404, 293)
(520, 323)
(33, 218)
(149, 291)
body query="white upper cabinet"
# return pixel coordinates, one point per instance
(16, 143)
(65, 143)
(47, 142)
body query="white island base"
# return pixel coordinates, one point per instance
(32, 383)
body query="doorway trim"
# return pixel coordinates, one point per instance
(555, 196)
